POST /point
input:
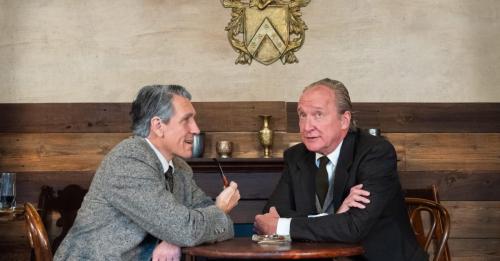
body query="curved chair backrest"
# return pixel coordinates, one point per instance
(37, 235)
(438, 228)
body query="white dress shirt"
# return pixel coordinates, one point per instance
(164, 163)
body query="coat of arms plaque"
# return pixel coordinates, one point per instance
(266, 30)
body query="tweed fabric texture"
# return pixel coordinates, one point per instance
(128, 209)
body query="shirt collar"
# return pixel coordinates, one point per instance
(164, 163)
(333, 156)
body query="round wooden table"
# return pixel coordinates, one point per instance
(245, 248)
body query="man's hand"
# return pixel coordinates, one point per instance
(166, 252)
(356, 196)
(267, 224)
(228, 198)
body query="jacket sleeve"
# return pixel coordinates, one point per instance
(378, 173)
(138, 192)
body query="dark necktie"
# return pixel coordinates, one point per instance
(170, 179)
(322, 183)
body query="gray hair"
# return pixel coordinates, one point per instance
(151, 101)
(342, 98)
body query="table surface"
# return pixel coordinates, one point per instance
(11, 214)
(245, 248)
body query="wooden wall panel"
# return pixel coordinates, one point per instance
(84, 151)
(65, 117)
(55, 151)
(453, 151)
(243, 116)
(453, 145)
(471, 249)
(419, 117)
(456, 185)
(474, 219)
(239, 116)
(114, 117)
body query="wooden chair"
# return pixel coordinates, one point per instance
(436, 231)
(430, 193)
(37, 235)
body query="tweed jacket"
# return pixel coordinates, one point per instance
(128, 209)
(382, 228)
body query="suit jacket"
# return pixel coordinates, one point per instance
(382, 228)
(128, 209)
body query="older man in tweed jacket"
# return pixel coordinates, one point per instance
(134, 210)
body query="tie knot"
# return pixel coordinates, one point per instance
(323, 161)
(169, 172)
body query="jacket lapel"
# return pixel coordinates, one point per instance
(306, 177)
(341, 171)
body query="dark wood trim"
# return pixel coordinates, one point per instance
(243, 116)
(419, 117)
(65, 117)
(236, 165)
(258, 183)
(114, 117)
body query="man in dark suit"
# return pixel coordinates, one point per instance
(322, 194)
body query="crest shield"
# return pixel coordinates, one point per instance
(266, 30)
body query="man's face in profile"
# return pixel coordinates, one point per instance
(321, 127)
(179, 131)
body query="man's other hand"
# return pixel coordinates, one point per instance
(166, 251)
(267, 224)
(357, 198)
(228, 198)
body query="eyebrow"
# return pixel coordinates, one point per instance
(187, 116)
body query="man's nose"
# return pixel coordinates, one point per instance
(194, 128)
(307, 125)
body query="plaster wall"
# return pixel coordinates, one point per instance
(383, 50)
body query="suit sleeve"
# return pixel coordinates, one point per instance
(137, 192)
(378, 174)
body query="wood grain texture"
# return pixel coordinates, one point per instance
(473, 249)
(83, 151)
(55, 151)
(65, 117)
(474, 219)
(243, 116)
(114, 117)
(453, 151)
(419, 117)
(456, 185)
(239, 116)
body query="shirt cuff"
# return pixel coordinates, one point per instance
(283, 226)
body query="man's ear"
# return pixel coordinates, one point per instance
(346, 120)
(156, 127)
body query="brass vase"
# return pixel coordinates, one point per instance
(266, 135)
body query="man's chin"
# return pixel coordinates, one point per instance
(311, 146)
(185, 154)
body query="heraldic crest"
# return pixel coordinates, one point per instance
(266, 30)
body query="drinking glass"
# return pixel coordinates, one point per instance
(8, 191)
(198, 145)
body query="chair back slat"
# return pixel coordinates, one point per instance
(439, 221)
(37, 235)
(430, 193)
